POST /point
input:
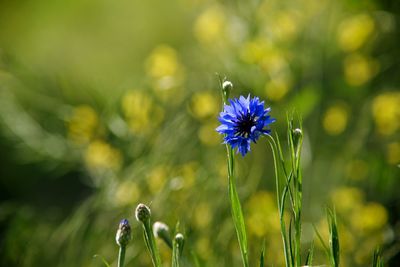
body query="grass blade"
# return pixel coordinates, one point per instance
(262, 254)
(236, 209)
(333, 238)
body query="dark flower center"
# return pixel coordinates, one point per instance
(244, 125)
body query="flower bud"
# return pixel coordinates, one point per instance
(227, 86)
(179, 240)
(142, 213)
(297, 135)
(123, 235)
(161, 230)
(226, 89)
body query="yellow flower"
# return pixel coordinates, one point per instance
(359, 69)
(210, 25)
(164, 67)
(335, 119)
(204, 105)
(276, 89)
(255, 51)
(156, 178)
(371, 217)
(141, 113)
(83, 124)
(128, 192)
(355, 31)
(101, 156)
(202, 216)
(386, 112)
(208, 135)
(263, 218)
(347, 199)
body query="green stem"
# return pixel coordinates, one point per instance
(236, 209)
(151, 244)
(281, 203)
(121, 256)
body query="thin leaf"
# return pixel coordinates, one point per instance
(236, 209)
(262, 254)
(333, 238)
(102, 259)
(326, 249)
(310, 255)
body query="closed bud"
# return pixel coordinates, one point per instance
(142, 213)
(297, 135)
(179, 240)
(123, 235)
(227, 86)
(161, 230)
(226, 89)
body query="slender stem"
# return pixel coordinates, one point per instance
(236, 209)
(121, 256)
(151, 243)
(279, 202)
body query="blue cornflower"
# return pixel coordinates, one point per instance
(243, 121)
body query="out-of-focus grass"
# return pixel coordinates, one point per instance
(106, 104)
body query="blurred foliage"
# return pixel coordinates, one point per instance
(104, 104)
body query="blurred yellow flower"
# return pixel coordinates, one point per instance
(164, 67)
(346, 199)
(141, 113)
(386, 112)
(262, 215)
(208, 135)
(393, 153)
(203, 247)
(83, 124)
(202, 216)
(276, 89)
(335, 119)
(210, 26)
(156, 178)
(370, 217)
(355, 31)
(254, 51)
(204, 105)
(127, 193)
(285, 25)
(359, 69)
(101, 156)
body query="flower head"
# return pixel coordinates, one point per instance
(123, 235)
(142, 213)
(243, 121)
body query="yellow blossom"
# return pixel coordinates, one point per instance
(263, 218)
(100, 156)
(83, 124)
(204, 105)
(165, 69)
(359, 69)
(369, 217)
(127, 192)
(346, 199)
(210, 26)
(386, 112)
(208, 135)
(335, 119)
(156, 178)
(355, 31)
(141, 114)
